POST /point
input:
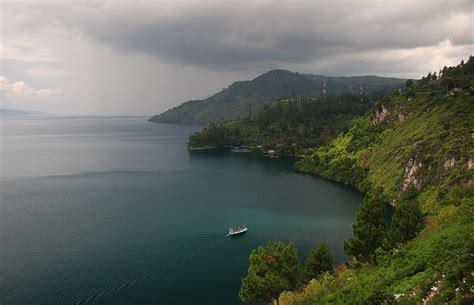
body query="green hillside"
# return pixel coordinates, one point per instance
(235, 101)
(292, 126)
(412, 149)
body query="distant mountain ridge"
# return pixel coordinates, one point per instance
(8, 112)
(238, 99)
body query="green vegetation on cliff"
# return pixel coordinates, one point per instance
(423, 140)
(414, 150)
(234, 102)
(436, 265)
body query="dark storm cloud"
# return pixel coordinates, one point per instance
(143, 57)
(241, 34)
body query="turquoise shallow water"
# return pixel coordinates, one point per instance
(115, 210)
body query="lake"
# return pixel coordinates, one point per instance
(116, 210)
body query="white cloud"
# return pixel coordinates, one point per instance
(21, 89)
(397, 62)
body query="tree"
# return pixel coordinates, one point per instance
(272, 270)
(410, 88)
(407, 221)
(318, 262)
(369, 230)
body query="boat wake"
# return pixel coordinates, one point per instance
(160, 269)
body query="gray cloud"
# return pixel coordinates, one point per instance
(242, 34)
(143, 57)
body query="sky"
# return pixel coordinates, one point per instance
(143, 57)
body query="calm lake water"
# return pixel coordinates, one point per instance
(116, 210)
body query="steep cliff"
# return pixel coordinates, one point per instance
(417, 145)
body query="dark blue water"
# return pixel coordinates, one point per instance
(115, 210)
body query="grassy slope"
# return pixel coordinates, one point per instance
(436, 128)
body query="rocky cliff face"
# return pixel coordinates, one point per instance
(380, 115)
(411, 167)
(449, 163)
(470, 163)
(401, 117)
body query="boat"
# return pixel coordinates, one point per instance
(237, 230)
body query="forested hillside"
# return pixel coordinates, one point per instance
(414, 150)
(235, 101)
(293, 125)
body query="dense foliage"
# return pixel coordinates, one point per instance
(318, 262)
(272, 270)
(441, 257)
(234, 102)
(450, 77)
(293, 125)
(369, 230)
(407, 221)
(216, 136)
(275, 268)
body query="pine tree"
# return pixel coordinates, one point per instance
(369, 230)
(407, 221)
(318, 262)
(272, 270)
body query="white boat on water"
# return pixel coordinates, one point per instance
(237, 230)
